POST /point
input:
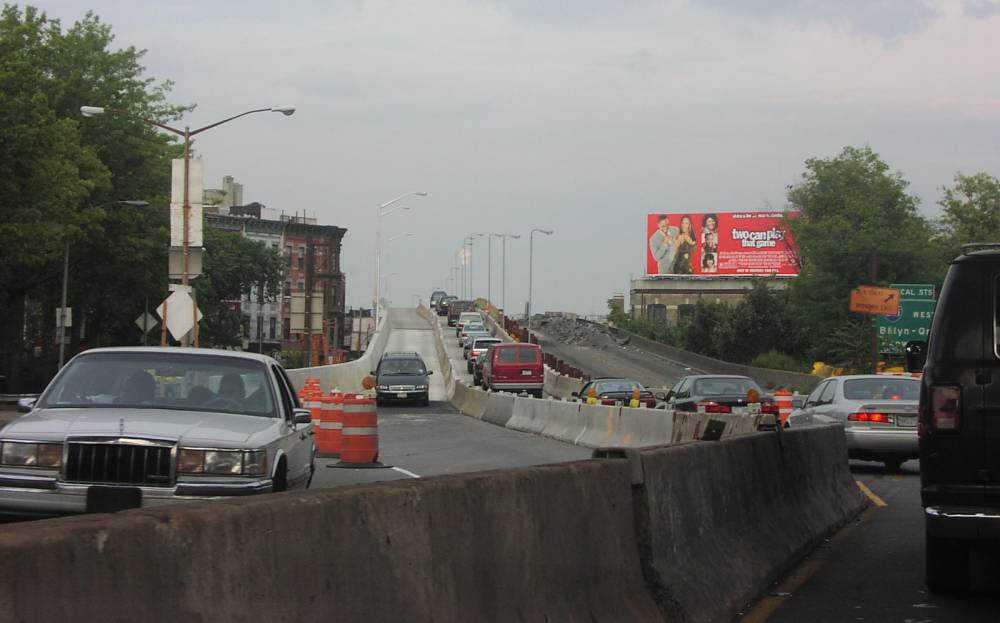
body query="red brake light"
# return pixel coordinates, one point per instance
(714, 407)
(896, 397)
(608, 401)
(873, 417)
(945, 407)
(769, 407)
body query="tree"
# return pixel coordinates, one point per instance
(971, 211)
(60, 177)
(234, 267)
(756, 325)
(858, 225)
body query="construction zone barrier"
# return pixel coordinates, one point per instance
(360, 431)
(329, 436)
(499, 408)
(784, 399)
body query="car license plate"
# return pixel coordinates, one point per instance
(906, 421)
(113, 499)
(525, 372)
(401, 395)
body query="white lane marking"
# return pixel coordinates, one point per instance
(405, 471)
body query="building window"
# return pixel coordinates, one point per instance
(274, 322)
(246, 325)
(302, 286)
(318, 286)
(288, 288)
(286, 328)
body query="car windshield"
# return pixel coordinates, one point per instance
(616, 385)
(886, 388)
(484, 343)
(163, 380)
(724, 386)
(403, 366)
(471, 328)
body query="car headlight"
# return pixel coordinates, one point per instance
(222, 462)
(421, 387)
(22, 454)
(383, 387)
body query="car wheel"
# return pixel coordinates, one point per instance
(312, 470)
(947, 565)
(379, 402)
(893, 465)
(425, 402)
(538, 393)
(280, 477)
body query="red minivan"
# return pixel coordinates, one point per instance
(514, 367)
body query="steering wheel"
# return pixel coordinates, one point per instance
(225, 403)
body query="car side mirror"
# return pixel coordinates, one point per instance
(25, 405)
(372, 373)
(660, 396)
(301, 416)
(916, 355)
(670, 394)
(575, 394)
(430, 372)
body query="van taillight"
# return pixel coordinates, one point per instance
(945, 408)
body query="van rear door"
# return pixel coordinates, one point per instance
(953, 453)
(990, 375)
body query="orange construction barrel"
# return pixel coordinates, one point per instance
(360, 431)
(328, 437)
(784, 399)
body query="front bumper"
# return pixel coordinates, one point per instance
(508, 386)
(956, 522)
(22, 494)
(416, 394)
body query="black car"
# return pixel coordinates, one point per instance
(611, 391)
(444, 303)
(716, 393)
(436, 297)
(959, 417)
(402, 377)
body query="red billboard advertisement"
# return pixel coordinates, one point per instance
(720, 243)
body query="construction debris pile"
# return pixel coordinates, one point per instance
(573, 331)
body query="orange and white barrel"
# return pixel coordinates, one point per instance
(360, 430)
(328, 437)
(784, 399)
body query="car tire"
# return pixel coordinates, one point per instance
(425, 402)
(538, 393)
(893, 465)
(947, 565)
(280, 482)
(379, 402)
(312, 470)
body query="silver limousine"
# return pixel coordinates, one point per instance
(122, 428)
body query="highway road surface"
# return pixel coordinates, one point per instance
(435, 440)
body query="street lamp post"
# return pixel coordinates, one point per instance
(382, 211)
(469, 240)
(187, 133)
(65, 285)
(503, 269)
(531, 266)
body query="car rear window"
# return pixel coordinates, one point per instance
(527, 354)
(507, 355)
(485, 342)
(882, 389)
(724, 387)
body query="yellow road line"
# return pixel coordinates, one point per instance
(871, 495)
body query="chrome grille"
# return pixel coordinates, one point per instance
(402, 388)
(118, 463)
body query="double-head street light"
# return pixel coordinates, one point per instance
(531, 264)
(385, 210)
(61, 325)
(468, 240)
(187, 133)
(503, 262)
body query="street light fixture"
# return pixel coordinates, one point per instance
(469, 240)
(382, 211)
(531, 265)
(187, 133)
(61, 325)
(503, 263)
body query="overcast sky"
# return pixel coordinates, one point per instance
(579, 116)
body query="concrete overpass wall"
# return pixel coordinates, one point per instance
(348, 376)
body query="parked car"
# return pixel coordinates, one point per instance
(436, 297)
(466, 317)
(122, 428)
(455, 309)
(445, 304)
(402, 376)
(878, 412)
(611, 391)
(959, 417)
(476, 347)
(471, 329)
(716, 393)
(514, 367)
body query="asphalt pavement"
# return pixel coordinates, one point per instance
(873, 569)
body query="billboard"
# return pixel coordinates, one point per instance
(720, 243)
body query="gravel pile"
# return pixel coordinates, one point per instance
(576, 332)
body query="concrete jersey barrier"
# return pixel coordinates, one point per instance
(347, 376)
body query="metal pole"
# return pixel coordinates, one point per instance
(872, 278)
(145, 321)
(531, 265)
(61, 325)
(489, 271)
(503, 277)
(378, 259)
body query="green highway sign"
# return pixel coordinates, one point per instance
(916, 310)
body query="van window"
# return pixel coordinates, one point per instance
(527, 355)
(508, 355)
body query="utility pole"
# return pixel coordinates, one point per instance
(872, 278)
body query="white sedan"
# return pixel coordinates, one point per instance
(878, 412)
(126, 428)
